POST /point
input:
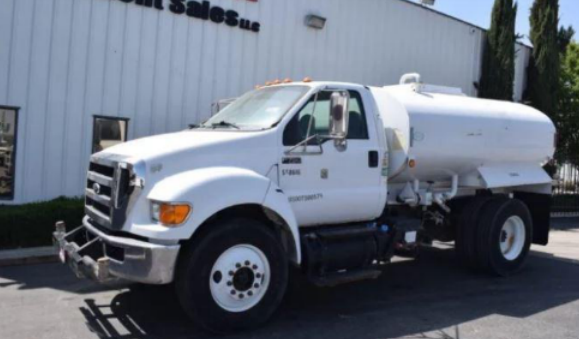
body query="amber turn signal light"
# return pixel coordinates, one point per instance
(170, 214)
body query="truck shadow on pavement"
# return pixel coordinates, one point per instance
(426, 298)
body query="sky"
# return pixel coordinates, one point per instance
(478, 12)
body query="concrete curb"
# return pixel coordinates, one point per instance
(28, 256)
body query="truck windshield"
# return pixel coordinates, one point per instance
(259, 109)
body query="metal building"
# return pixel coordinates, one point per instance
(70, 68)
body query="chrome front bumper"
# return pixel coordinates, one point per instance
(104, 258)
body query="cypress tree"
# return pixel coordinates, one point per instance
(498, 73)
(564, 38)
(543, 86)
(568, 106)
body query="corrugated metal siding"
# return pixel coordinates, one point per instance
(62, 61)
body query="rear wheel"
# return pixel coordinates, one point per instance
(234, 277)
(466, 244)
(504, 235)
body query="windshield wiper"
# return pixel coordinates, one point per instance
(225, 124)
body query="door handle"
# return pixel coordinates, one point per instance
(373, 159)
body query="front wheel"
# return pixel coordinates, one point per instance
(234, 277)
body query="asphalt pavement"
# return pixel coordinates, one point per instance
(430, 297)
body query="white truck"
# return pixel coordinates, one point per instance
(334, 178)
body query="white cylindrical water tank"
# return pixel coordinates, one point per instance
(451, 134)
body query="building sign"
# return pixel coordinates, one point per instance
(202, 10)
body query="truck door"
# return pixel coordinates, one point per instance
(327, 183)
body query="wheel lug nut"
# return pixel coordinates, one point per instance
(231, 273)
(241, 296)
(250, 293)
(247, 263)
(254, 267)
(229, 283)
(258, 275)
(233, 292)
(238, 265)
(256, 286)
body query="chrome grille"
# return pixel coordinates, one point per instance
(107, 191)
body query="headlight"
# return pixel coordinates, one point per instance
(169, 214)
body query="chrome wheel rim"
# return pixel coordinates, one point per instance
(240, 278)
(512, 238)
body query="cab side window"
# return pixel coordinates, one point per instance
(315, 117)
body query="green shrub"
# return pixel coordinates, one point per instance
(32, 225)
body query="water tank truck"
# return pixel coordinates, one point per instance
(333, 178)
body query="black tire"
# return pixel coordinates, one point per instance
(465, 244)
(194, 270)
(493, 216)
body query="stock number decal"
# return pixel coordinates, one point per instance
(291, 172)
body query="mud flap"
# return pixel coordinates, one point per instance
(540, 207)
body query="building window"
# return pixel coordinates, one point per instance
(8, 137)
(108, 132)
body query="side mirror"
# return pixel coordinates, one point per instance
(339, 114)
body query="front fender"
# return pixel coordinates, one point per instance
(210, 190)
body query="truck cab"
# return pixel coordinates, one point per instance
(299, 174)
(328, 180)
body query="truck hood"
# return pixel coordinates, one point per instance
(161, 146)
(174, 153)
